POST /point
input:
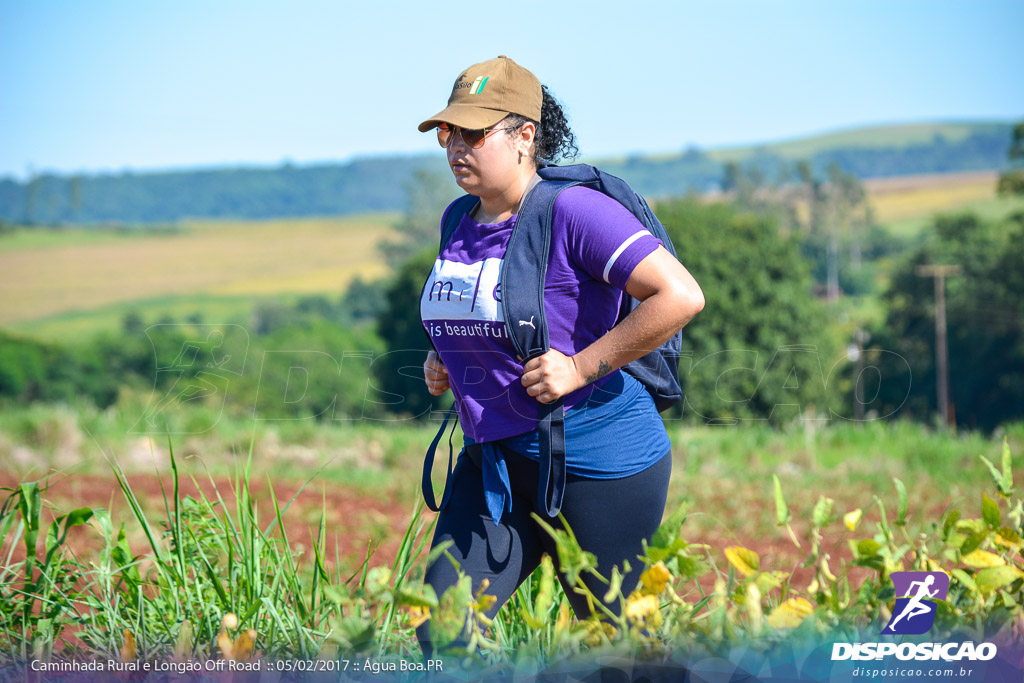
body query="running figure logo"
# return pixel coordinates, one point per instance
(916, 594)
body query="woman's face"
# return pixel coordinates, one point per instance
(496, 165)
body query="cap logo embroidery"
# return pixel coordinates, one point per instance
(478, 85)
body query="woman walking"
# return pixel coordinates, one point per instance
(499, 126)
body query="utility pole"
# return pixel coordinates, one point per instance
(939, 273)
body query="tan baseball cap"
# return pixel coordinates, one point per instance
(487, 92)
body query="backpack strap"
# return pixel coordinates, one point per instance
(428, 466)
(551, 477)
(459, 208)
(526, 264)
(526, 258)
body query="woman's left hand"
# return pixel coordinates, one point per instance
(551, 376)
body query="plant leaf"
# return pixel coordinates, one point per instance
(546, 588)
(852, 519)
(782, 512)
(655, 578)
(965, 578)
(980, 559)
(822, 511)
(615, 585)
(421, 596)
(766, 581)
(128, 650)
(994, 578)
(183, 643)
(668, 531)
(572, 559)
(902, 507)
(952, 517)
(990, 512)
(746, 561)
(867, 548)
(1006, 481)
(377, 580)
(973, 542)
(1008, 538)
(790, 614)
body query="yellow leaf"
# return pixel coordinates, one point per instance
(183, 646)
(644, 609)
(752, 603)
(979, 559)
(640, 606)
(128, 650)
(933, 566)
(484, 603)
(790, 613)
(597, 633)
(655, 579)
(1007, 538)
(225, 644)
(563, 619)
(243, 646)
(418, 615)
(745, 561)
(852, 519)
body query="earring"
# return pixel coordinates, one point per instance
(520, 157)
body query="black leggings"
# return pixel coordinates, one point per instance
(610, 518)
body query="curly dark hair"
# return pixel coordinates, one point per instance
(554, 140)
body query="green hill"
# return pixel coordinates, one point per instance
(898, 136)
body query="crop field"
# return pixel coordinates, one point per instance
(906, 204)
(70, 276)
(369, 473)
(767, 533)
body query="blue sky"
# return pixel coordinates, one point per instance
(111, 85)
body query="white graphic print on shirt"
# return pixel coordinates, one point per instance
(465, 292)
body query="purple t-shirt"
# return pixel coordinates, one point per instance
(595, 245)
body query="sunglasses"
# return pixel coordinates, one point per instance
(474, 138)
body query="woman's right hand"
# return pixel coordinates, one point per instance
(435, 374)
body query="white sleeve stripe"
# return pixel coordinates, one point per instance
(622, 247)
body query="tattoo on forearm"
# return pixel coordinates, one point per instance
(602, 369)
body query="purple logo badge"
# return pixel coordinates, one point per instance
(916, 596)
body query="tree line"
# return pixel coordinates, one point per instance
(377, 184)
